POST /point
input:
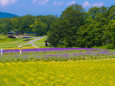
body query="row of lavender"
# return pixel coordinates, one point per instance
(89, 51)
(57, 54)
(50, 49)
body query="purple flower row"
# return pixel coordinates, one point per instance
(48, 49)
(89, 53)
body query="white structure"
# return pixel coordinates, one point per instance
(20, 49)
(1, 52)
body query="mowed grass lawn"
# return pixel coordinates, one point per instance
(12, 43)
(40, 43)
(65, 73)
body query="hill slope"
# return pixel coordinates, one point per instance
(7, 15)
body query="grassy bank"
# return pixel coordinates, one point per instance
(41, 44)
(13, 43)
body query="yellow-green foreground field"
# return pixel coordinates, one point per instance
(70, 73)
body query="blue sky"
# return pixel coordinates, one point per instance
(47, 7)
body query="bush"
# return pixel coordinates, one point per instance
(110, 46)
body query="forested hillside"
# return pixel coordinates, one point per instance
(74, 28)
(27, 24)
(6, 15)
(79, 28)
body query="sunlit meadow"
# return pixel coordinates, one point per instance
(57, 42)
(58, 67)
(69, 73)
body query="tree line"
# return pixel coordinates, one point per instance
(74, 28)
(79, 28)
(27, 24)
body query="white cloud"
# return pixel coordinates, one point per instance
(43, 2)
(71, 3)
(40, 2)
(87, 4)
(57, 3)
(34, 1)
(6, 2)
(98, 4)
(13, 1)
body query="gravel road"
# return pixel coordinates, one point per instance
(32, 41)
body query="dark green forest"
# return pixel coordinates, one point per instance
(79, 28)
(74, 28)
(39, 25)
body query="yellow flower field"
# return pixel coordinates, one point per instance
(70, 73)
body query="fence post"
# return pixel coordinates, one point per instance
(20, 49)
(1, 52)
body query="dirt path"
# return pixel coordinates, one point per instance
(32, 41)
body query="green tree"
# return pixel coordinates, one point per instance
(48, 20)
(25, 22)
(39, 27)
(54, 34)
(69, 22)
(112, 12)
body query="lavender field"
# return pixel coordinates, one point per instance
(56, 54)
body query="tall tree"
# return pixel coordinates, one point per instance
(71, 19)
(112, 12)
(39, 27)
